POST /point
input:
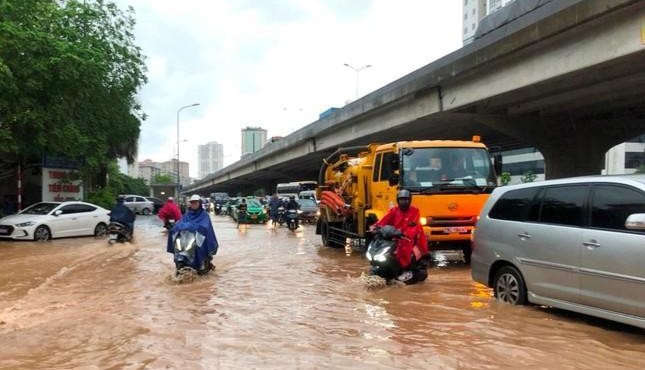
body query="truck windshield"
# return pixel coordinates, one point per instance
(446, 169)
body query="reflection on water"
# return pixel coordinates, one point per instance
(277, 300)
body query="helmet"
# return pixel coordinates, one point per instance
(194, 197)
(403, 193)
(292, 197)
(120, 199)
(171, 199)
(403, 199)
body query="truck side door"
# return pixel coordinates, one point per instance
(383, 195)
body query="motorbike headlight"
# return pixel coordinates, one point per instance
(369, 256)
(318, 213)
(424, 221)
(191, 245)
(382, 255)
(178, 244)
(299, 211)
(25, 224)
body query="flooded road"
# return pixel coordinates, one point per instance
(276, 300)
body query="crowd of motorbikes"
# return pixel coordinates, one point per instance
(187, 242)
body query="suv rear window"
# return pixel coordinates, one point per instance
(514, 205)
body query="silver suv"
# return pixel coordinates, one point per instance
(139, 204)
(576, 244)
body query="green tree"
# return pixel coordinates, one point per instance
(641, 169)
(528, 176)
(505, 178)
(69, 74)
(163, 179)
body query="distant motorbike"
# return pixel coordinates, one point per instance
(281, 215)
(292, 219)
(218, 209)
(187, 244)
(118, 233)
(169, 224)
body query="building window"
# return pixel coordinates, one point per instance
(465, 16)
(472, 27)
(474, 11)
(465, 2)
(465, 30)
(634, 159)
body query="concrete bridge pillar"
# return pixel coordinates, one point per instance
(571, 147)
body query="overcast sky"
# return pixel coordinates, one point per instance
(276, 64)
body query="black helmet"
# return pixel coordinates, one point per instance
(403, 199)
(120, 199)
(403, 193)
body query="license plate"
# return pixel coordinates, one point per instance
(114, 236)
(4, 231)
(254, 216)
(454, 230)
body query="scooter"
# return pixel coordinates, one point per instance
(118, 233)
(380, 253)
(383, 262)
(281, 214)
(218, 209)
(169, 224)
(292, 219)
(187, 245)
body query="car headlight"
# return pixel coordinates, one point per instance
(25, 224)
(318, 213)
(299, 211)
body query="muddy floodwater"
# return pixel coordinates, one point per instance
(276, 300)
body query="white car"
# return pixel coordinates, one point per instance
(46, 220)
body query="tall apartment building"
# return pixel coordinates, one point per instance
(210, 158)
(170, 168)
(474, 11)
(253, 139)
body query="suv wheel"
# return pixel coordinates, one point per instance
(145, 211)
(509, 286)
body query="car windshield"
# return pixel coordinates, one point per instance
(446, 169)
(253, 203)
(307, 203)
(39, 209)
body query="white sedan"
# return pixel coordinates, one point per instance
(46, 220)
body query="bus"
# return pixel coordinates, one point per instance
(288, 189)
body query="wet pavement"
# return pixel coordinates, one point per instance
(277, 300)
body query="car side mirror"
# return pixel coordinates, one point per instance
(635, 221)
(58, 212)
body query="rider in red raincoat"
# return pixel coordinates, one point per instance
(169, 211)
(411, 249)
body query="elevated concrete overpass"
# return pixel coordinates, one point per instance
(567, 78)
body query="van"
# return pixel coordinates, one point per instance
(576, 244)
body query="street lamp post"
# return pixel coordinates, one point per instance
(178, 173)
(357, 70)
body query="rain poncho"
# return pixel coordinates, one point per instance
(122, 214)
(199, 221)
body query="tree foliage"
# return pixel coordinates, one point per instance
(69, 74)
(163, 179)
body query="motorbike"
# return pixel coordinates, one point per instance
(169, 224)
(218, 209)
(118, 233)
(187, 245)
(281, 215)
(383, 261)
(380, 252)
(292, 219)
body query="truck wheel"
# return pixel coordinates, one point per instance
(467, 253)
(325, 234)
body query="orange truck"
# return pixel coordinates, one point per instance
(449, 180)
